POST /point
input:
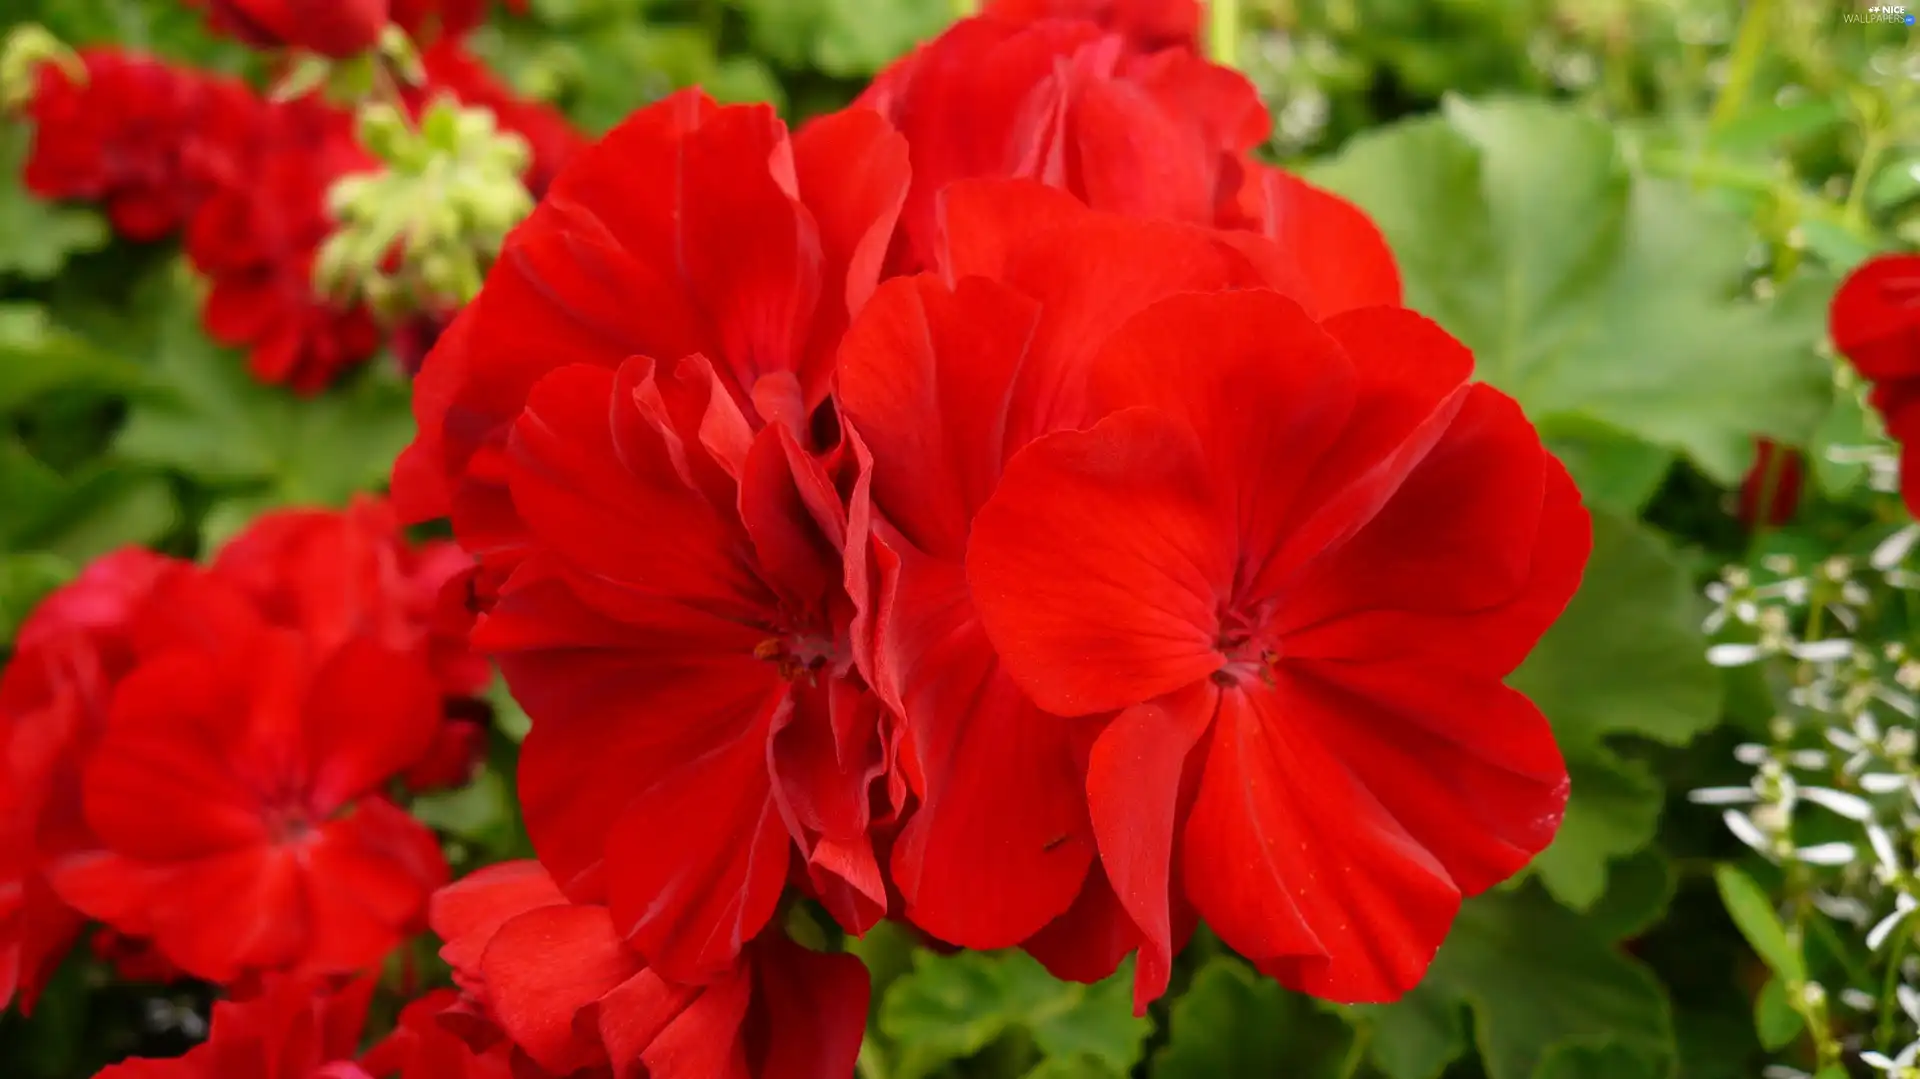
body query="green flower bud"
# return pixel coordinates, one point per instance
(24, 49)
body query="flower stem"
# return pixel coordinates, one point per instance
(1748, 48)
(1223, 32)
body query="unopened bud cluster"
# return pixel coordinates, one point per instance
(22, 51)
(419, 234)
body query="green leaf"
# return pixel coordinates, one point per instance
(26, 579)
(1584, 290)
(1539, 979)
(1076, 1067)
(1762, 130)
(953, 1007)
(36, 237)
(477, 812)
(36, 356)
(1753, 912)
(1419, 1036)
(1233, 1021)
(218, 425)
(102, 506)
(1613, 469)
(1634, 612)
(1774, 1018)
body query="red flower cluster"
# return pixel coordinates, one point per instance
(1875, 322)
(169, 150)
(342, 28)
(196, 757)
(1139, 561)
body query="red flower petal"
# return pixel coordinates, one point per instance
(1100, 564)
(1330, 893)
(542, 968)
(371, 713)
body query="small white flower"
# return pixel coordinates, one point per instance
(1899, 702)
(1752, 754)
(1781, 1071)
(1881, 782)
(1909, 1000)
(1827, 854)
(1734, 655)
(1903, 905)
(1858, 999)
(1843, 740)
(1883, 850)
(1747, 832)
(1897, 1066)
(1842, 908)
(1851, 806)
(1725, 796)
(1808, 758)
(1893, 550)
(1827, 651)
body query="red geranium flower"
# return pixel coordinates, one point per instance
(680, 636)
(232, 795)
(782, 1013)
(945, 384)
(1149, 25)
(335, 575)
(1161, 136)
(748, 247)
(135, 135)
(54, 695)
(337, 28)
(1875, 322)
(291, 1030)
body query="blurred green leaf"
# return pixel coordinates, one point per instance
(1634, 612)
(215, 423)
(78, 517)
(1774, 1018)
(1753, 912)
(842, 38)
(36, 237)
(1764, 130)
(36, 356)
(1583, 290)
(1538, 979)
(1612, 468)
(476, 813)
(1234, 1021)
(25, 579)
(953, 1007)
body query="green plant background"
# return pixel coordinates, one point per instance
(1634, 211)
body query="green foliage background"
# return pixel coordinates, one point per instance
(1634, 211)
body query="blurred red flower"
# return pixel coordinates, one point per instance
(293, 1029)
(782, 1012)
(135, 135)
(1770, 493)
(336, 28)
(1875, 323)
(233, 797)
(54, 695)
(1148, 25)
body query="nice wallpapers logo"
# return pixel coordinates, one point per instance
(1894, 13)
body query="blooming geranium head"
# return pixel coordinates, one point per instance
(689, 230)
(336, 28)
(232, 798)
(1246, 582)
(780, 1012)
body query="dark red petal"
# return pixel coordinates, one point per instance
(1000, 843)
(1088, 942)
(1467, 766)
(467, 913)
(372, 712)
(596, 483)
(1343, 259)
(1133, 787)
(160, 785)
(925, 378)
(616, 707)
(542, 968)
(704, 1038)
(1328, 892)
(1100, 565)
(814, 1007)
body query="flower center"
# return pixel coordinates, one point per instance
(797, 655)
(1247, 648)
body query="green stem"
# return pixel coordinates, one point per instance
(1223, 32)
(1870, 151)
(1357, 1053)
(1883, 1033)
(1748, 48)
